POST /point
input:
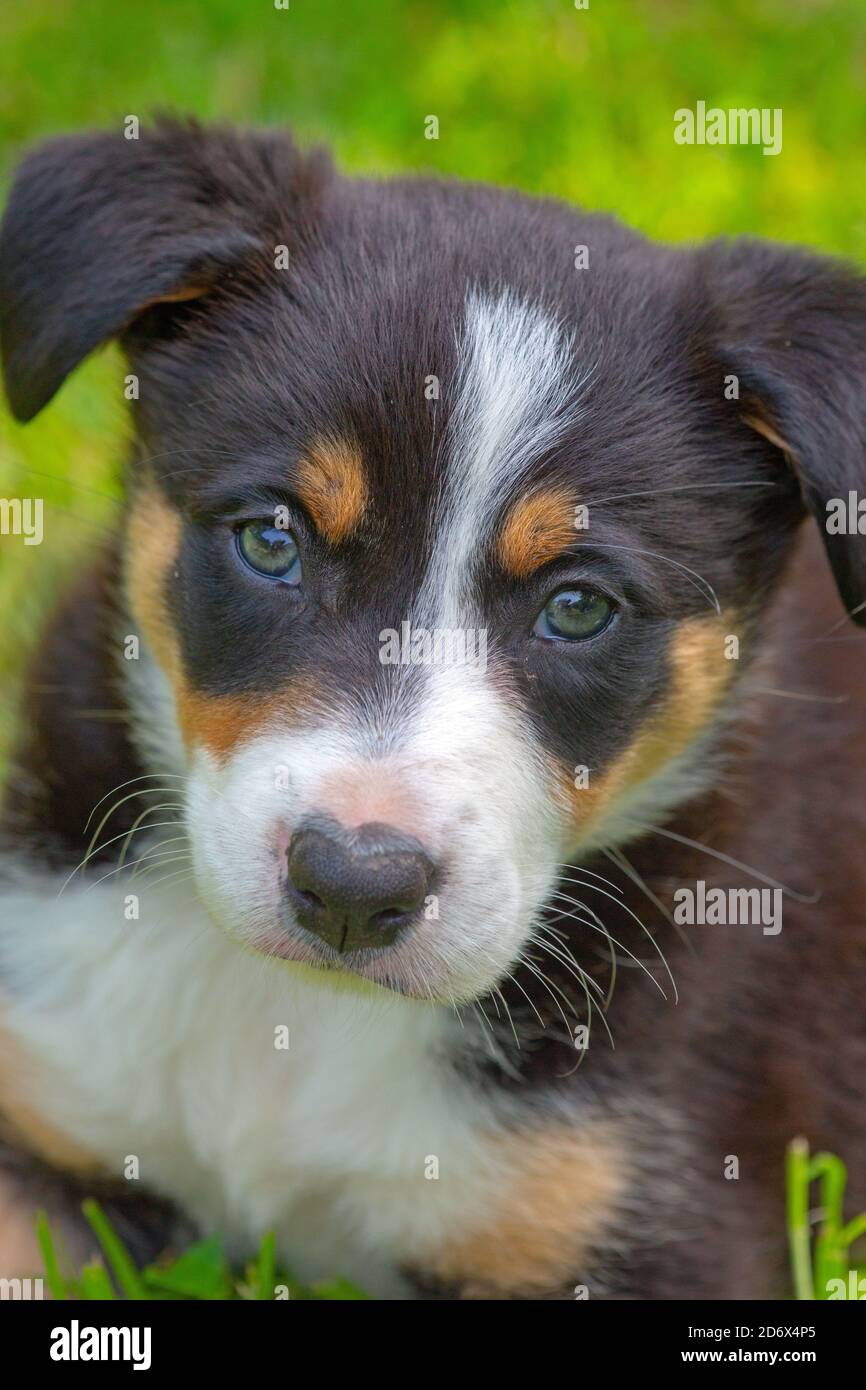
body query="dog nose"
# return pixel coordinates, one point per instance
(356, 888)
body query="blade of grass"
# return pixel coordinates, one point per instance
(115, 1251)
(854, 1230)
(797, 1172)
(56, 1282)
(95, 1283)
(201, 1272)
(830, 1256)
(266, 1266)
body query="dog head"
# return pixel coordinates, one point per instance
(451, 515)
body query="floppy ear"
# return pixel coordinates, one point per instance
(791, 326)
(99, 227)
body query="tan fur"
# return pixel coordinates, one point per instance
(765, 428)
(699, 675)
(333, 487)
(20, 1119)
(152, 544)
(217, 722)
(221, 723)
(537, 529)
(557, 1191)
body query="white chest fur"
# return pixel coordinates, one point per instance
(163, 1040)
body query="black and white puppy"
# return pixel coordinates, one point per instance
(441, 644)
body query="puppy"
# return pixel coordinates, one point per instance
(461, 629)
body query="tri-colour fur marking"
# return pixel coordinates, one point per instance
(419, 404)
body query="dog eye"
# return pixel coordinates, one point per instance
(270, 551)
(573, 615)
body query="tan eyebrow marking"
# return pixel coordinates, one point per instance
(333, 487)
(539, 526)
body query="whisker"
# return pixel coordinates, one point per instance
(681, 487)
(160, 858)
(140, 819)
(498, 993)
(726, 859)
(579, 868)
(562, 953)
(708, 591)
(178, 873)
(551, 986)
(91, 852)
(585, 922)
(584, 980)
(646, 933)
(145, 776)
(617, 856)
(584, 907)
(146, 875)
(529, 1001)
(800, 695)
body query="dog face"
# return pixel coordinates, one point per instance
(452, 516)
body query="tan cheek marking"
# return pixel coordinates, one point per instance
(217, 722)
(22, 1120)
(221, 723)
(537, 529)
(333, 487)
(699, 675)
(559, 1190)
(152, 545)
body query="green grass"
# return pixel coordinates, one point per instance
(820, 1262)
(200, 1273)
(820, 1242)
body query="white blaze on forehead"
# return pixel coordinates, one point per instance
(515, 398)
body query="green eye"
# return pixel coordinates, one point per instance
(270, 551)
(573, 615)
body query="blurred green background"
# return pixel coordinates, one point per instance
(534, 93)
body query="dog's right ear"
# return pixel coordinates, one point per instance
(99, 227)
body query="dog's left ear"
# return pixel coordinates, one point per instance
(790, 327)
(99, 228)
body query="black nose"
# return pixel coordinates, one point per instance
(356, 888)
